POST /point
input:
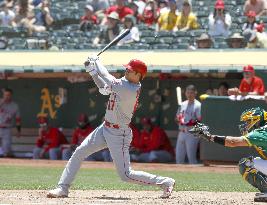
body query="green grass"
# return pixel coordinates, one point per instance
(15, 177)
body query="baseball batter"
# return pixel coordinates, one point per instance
(114, 132)
(254, 134)
(188, 114)
(9, 111)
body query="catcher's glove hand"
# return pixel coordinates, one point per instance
(202, 131)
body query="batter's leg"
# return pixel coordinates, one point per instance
(118, 142)
(191, 144)
(93, 143)
(180, 148)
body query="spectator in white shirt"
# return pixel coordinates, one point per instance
(7, 16)
(133, 36)
(219, 21)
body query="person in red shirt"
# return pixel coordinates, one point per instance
(121, 9)
(150, 14)
(135, 144)
(49, 141)
(89, 19)
(79, 134)
(155, 145)
(250, 84)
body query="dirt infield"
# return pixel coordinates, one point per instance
(77, 197)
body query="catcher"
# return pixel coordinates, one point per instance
(253, 134)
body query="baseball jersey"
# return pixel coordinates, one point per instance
(256, 85)
(80, 134)
(8, 111)
(122, 102)
(258, 139)
(189, 114)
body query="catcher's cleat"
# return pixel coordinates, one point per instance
(260, 197)
(57, 193)
(167, 188)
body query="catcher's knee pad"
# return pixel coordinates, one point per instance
(252, 175)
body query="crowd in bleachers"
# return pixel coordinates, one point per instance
(154, 24)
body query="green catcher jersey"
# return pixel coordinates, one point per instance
(258, 139)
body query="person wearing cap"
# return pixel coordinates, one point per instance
(255, 39)
(219, 21)
(168, 20)
(110, 31)
(204, 41)
(186, 19)
(115, 132)
(49, 141)
(134, 35)
(236, 41)
(154, 144)
(251, 21)
(188, 114)
(79, 134)
(250, 84)
(88, 19)
(150, 14)
(258, 6)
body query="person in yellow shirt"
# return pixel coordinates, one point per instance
(167, 21)
(186, 19)
(255, 39)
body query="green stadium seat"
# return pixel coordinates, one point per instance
(148, 40)
(147, 33)
(182, 40)
(197, 32)
(166, 40)
(141, 46)
(180, 46)
(164, 34)
(161, 46)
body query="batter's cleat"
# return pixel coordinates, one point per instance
(260, 197)
(167, 188)
(57, 193)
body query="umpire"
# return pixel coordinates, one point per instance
(187, 115)
(9, 112)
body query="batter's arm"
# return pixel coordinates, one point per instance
(104, 74)
(102, 86)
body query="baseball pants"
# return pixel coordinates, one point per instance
(186, 145)
(118, 141)
(5, 134)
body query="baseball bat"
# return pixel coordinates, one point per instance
(115, 41)
(179, 95)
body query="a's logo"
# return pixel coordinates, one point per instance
(50, 104)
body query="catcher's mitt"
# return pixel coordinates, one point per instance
(202, 131)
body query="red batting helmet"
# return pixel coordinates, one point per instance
(137, 66)
(219, 4)
(248, 68)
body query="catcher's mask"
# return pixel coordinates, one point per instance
(252, 119)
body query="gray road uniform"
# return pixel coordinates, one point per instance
(113, 133)
(187, 143)
(8, 113)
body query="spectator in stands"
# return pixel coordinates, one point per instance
(135, 148)
(109, 32)
(155, 145)
(135, 8)
(204, 41)
(223, 89)
(186, 19)
(236, 41)
(150, 14)
(163, 6)
(133, 36)
(168, 20)
(250, 84)
(9, 112)
(121, 9)
(255, 39)
(219, 21)
(23, 11)
(43, 18)
(251, 21)
(7, 16)
(187, 115)
(80, 133)
(138, 7)
(258, 6)
(49, 141)
(88, 20)
(99, 6)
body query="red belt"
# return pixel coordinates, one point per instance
(110, 125)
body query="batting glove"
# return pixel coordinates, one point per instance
(90, 65)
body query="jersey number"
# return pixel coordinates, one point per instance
(111, 102)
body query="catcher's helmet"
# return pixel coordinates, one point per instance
(137, 66)
(253, 118)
